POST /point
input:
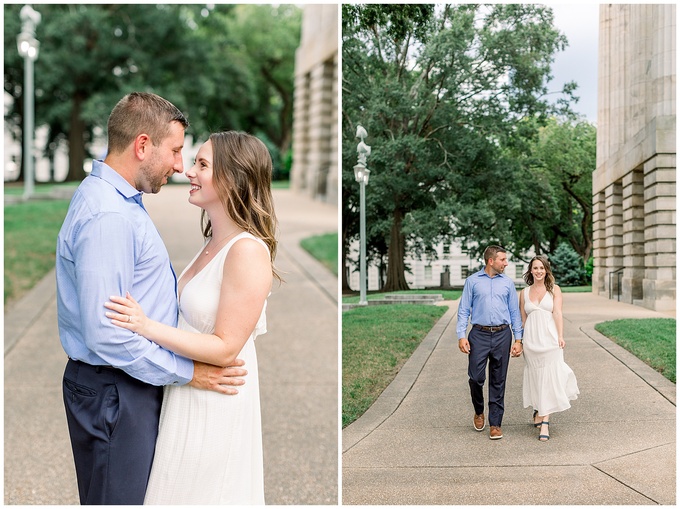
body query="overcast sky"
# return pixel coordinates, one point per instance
(579, 22)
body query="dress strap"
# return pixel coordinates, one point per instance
(245, 235)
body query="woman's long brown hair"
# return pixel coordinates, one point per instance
(242, 176)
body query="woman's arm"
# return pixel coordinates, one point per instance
(521, 308)
(557, 315)
(246, 283)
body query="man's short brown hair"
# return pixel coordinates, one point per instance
(141, 112)
(491, 252)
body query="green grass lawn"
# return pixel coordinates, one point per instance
(17, 188)
(446, 294)
(576, 289)
(324, 248)
(376, 342)
(280, 184)
(31, 230)
(651, 340)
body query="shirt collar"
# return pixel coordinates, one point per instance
(103, 171)
(482, 273)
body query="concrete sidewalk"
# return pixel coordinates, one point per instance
(298, 361)
(616, 445)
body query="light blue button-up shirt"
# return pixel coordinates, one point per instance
(108, 245)
(489, 301)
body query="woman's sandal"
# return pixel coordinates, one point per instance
(544, 438)
(536, 424)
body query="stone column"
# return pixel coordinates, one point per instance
(660, 233)
(613, 235)
(320, 114)
(599, 247)
(298, 173)
(633, 237)
(333, 179)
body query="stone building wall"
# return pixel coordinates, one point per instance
(315, 111)
(634, 201)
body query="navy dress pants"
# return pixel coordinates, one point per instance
(113, 422)
(492, 348)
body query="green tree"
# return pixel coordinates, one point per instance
(196, 56)
(89, 54)
(566, 152)
(441, 91)
(551, 179)
(268, 37)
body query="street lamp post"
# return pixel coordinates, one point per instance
(28, 46)
(361, 174)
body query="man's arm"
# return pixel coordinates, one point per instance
(103, 270)
(464, 308)
(516, 321)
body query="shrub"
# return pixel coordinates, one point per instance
(567, 266)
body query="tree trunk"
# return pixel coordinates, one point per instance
(19, 105)
(22, 162)
(381, 273)
(396, 280)
(345, 282)
(76, 142)
(582, 246)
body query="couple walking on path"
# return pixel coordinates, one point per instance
(489, 302)
(415, 445)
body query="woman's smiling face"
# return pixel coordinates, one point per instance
(537, 270)
(202, 192)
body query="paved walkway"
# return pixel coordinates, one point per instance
(616, 445)
(298, 362)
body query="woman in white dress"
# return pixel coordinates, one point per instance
(209, 446)
(549, 384)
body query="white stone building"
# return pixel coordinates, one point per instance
(315, 109)
(634, 197)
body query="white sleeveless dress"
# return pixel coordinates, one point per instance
(209, 446)
(549, 384)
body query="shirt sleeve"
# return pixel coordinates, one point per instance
(104, 254)
(464, 308)
(515, 315)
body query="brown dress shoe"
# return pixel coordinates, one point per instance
(495, 432)
(479, 422)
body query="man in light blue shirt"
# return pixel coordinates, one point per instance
(490, 303)
(107, 246)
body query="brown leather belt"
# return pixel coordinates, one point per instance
(491, 328)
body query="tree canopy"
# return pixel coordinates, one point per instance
(226, 66)
(453, 98)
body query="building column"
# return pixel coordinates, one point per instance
(599, 248)
(320, 114)
(299, 170)
(660, 231)
(332, 183)
(633, 237)
(613, 235)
